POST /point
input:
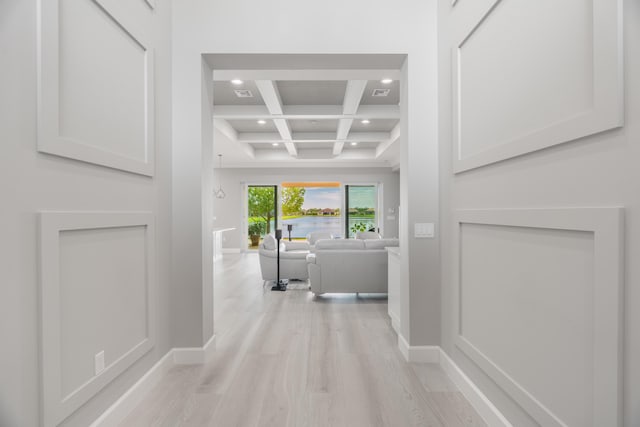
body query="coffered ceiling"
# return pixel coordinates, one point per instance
(332, 110)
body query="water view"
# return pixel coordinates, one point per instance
(306, 224)
(313, 208)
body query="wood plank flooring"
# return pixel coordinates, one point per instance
(292, 359)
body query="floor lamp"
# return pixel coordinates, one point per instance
(281, 285)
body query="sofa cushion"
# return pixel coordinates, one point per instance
(295, 245)
(380, 243)
(366, 235)
(314, 236)
(339, 244)
(269, 242)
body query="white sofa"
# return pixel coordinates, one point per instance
(314, 236)
(293, 259)
(349, 265)
(366, 235)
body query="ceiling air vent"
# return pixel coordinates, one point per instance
(381, 92)
(243, 93)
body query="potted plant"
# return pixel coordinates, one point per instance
(360, 226)
(255, 230)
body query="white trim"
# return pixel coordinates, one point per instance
(49, 138)
(608, 97)
(487, 411)
(132, 397)
(231, 250)
(606, 224)
(435, 354)
(418, 353)
(56, 407)
(122, 407)
(194, 355)
(395, 323)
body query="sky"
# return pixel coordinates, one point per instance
(359, 197)
(322, 198)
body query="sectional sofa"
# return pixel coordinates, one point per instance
(349, 266)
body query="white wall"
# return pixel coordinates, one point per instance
(526, 292)
(97, 60)
(289, 26)
(229, 211)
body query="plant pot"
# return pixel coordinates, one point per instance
(255, 239)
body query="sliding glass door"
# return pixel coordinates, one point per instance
(262, 203)
(361, 203)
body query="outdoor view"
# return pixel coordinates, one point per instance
(361, 201)
(311, 207)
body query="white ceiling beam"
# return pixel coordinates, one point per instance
(291, 148)
(344, 74)
(283, 129)
(302, 137)
(272, 100)
(337, 148)
(344, 126)
(394, 135)
(352, 96)
(270, 95)
(305, 112)
(360, 154)
(228, 131)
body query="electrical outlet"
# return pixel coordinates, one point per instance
(98, 362)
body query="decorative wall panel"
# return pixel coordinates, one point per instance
(97, 297)
(539, 308)
(95, 87)
(530, 75)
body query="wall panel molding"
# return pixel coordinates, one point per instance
(560, 105)
(58, 400)
(604, 332)
(102, 111)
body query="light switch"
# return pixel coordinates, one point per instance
(424, 230)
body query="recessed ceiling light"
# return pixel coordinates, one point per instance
(236, 82)
(262, 122)
(365, 122)
(386, 81)
(275, 144)
(354, 144)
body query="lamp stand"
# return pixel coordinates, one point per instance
(281, 285)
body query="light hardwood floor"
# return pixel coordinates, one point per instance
(292, 359)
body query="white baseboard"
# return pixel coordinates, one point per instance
(194, 355)
(231, 250)
(489, 413)
(434, 354)
(418, 353)
(395, 323)
(117, 412)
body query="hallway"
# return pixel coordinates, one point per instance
(287, 359)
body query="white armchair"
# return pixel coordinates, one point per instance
(293, 259)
